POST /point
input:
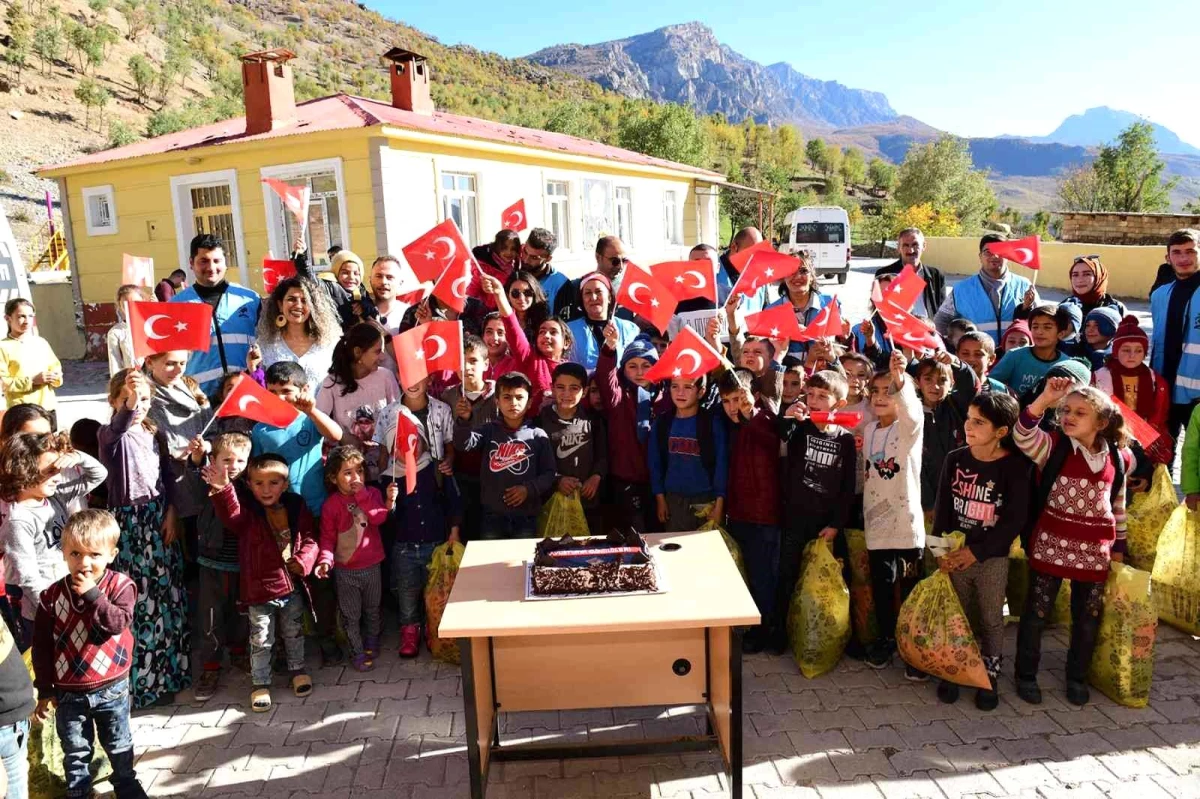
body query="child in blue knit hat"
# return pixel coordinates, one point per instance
(1099, 327)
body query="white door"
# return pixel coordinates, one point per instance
(209, 203)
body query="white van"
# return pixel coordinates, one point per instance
(823, 230)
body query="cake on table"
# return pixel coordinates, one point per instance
(617, 563)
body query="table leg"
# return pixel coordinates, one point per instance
(479, 704)
(725, 699)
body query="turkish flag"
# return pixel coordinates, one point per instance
(742, 257)
(647, 297)
(905, 289)
(907, 330)
(451, 287)
(275, 270)
(688, 280)
(166, 326)
(294, 198)
(428, 348)
(828, 323)
(137, 270)
(777, 322)
(249, 400)
(513, 217)
(407, 436)
(688, 356)
(1026, 251)
(843, 418)
(763, 267)
(439, 249)
(1139, 428)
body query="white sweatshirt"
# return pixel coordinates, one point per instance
(892, 492)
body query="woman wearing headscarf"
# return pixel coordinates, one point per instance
(1089, 286)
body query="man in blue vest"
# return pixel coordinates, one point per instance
(993, 298)
(1175, 350)
(235, 314)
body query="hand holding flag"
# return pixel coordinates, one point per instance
(428, 348)
(166, 326)
(251, 401)
(647, 297)
(688, 356)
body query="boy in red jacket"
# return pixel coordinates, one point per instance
(276, 550)
(753, 509)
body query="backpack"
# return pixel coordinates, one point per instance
(1049, 473)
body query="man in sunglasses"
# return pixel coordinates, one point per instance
(610, 262)
(535, 256)
(911, 244)
(992, 299)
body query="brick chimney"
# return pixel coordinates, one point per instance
(267, 88)
(410, 81)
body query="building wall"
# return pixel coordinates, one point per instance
(1128, 229)
(1131, 270)
(56, 317)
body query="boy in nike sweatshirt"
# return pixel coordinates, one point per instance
(579, 438)
(518, 465)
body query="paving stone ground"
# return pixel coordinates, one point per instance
(399, 732)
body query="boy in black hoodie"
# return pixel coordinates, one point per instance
(946, 386)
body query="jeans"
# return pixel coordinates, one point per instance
(288, 614)
(104, 712)
(500, 526)
(681, 511)
(221, 625)
(760, 552)
(14, 745)
(410, 569)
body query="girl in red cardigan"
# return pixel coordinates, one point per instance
(535, 361)
(1079, 526)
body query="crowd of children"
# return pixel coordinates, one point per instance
(269, 524)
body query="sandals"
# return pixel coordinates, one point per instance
(260, 700)
(362, 662)
(302, 684)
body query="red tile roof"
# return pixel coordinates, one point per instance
(343, 112)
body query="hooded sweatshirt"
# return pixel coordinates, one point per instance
(179, 418)
(628, 410)
(580, 444)
(521, 457)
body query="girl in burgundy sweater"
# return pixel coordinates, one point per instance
(1080, 523)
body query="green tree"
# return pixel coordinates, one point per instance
(143, 74)
(120, 134)
(831, 162)
(87, 91)
(573, 119)
(48, 46)
(941, 175)
(84, 45)
(98, 7)
(814, 151)
(20, 41)
(138, 16)
(854, 168)
(1080, 189)
(881, 174)
(1131, 173)
(670, 131)
(835, 188)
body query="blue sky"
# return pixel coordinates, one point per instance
(1019, 68)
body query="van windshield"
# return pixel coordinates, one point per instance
(820, 233)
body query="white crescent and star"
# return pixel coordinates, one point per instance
(463, 281)
(695, 356)
(515, 218)
(246, 401)
(633, 290)
(148, 326)
(700, 281)
(412, 441)
(441, 347)
(1024, 255)
(451, 248)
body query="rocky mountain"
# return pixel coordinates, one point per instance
(1100, 125)
(687, 64)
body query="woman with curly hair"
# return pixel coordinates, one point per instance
(299, 323)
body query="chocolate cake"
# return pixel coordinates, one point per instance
(617, 563)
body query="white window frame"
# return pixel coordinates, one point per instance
(673, 232)
(566, 238)
(181, 186)
(626, 233)
(474, 236)
(106, 193)
(276, 239)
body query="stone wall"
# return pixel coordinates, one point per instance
(1129, 229)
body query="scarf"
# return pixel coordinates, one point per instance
(1145, 385)
(1099, 288)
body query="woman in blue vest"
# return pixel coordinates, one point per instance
(587, 332)
(801, 291)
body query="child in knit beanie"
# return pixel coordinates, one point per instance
(1125, 376)
(1099, 327)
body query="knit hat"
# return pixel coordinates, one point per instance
(342, 256)
(1019, 326)
(1075, 368)
(595, 276)
(640, 347)
(1129, 330)
(1071, 312)
(1106, 320)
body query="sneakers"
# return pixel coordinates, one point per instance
(410, 640)
(878, 655)
(1029, 691)
(206, 686)
(362, 662)
(1077, 693)
(913, 674)
(371, 646)
(947, 692)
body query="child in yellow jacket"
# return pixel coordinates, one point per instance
(29, 369)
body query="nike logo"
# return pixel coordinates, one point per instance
(566, 452)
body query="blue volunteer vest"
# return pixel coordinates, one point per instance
(971, 301)
(236, 317)
(817, 302)
(585, 349)
(1187, 379)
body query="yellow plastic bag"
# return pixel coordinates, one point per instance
(934, 635)
(735, 552)
(1146, 516)
(1123, 663)
(562, 515)
(1176, 575)
(818, 619)
(1017, 588)
(443, 568)
(862, 599)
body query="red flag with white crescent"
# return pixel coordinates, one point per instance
(166, 326)
(688, 280)
(451, 287)
(905, 289)
(276, 270)
(688, 356)
(777, 322)
(428, 348)
(513, 217)
(647, 297)
(764, 266)
(907, 330)
(1026, 252)
(294, 198)
(407, 437)
(440, 248)
(827, 323)
(249, 400)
